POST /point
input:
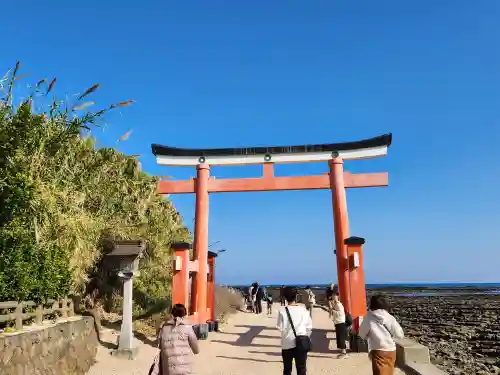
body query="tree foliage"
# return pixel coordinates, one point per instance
(61, 197)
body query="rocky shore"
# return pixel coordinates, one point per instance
(461, 327)
(462, 331)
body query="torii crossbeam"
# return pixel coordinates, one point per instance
(336, 180)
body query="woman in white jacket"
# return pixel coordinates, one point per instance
(380, 329)
(338, 316)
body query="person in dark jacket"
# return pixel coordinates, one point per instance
(258, 299)
(250, 298)
(253, 296)
(282, 295)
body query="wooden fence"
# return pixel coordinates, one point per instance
(63, 308)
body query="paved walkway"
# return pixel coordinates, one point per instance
(249, 345)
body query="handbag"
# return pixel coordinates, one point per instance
(155, 368)
(302, 343)
(348, 319)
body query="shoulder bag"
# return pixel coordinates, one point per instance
(302, 343)
(155, 368)
(348, 318)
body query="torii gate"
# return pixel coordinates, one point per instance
(350, 273)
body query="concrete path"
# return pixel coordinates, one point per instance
(249, 345)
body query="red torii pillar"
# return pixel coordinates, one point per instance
(341, 227)
(199, 283)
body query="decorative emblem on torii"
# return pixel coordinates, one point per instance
(336, 180)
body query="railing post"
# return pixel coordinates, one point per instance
(71, 308)
(64, 310)
(19, 316)
(55, 310)
(39, 314)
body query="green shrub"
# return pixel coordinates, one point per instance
(61, 199)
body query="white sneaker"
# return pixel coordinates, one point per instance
(342, 356)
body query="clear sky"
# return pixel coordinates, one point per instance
(247, 73)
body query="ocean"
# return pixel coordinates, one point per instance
(416, 289)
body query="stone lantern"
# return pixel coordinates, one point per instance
(125, 258)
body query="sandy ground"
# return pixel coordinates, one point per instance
(248, 345)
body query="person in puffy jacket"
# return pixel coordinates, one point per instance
(380, 329)
(177, 342)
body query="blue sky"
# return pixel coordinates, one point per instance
(233, 73)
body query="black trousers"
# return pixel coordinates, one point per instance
(258, 305)
(300, 361)
(341, 335)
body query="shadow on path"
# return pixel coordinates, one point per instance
(259, 336)
(145, 339)
(246, 359)
(251, 345)
(116, 326)
(246, 338)
(279, 354)
(320, 343)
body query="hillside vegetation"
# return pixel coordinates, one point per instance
(63, 200)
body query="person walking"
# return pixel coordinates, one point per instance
(268, 298)
(311, 300)
(259, 296)
(177, 343)
(282, 296)
(295, 325)
(254, 296)
(330, 293)
(380, 329)
(338, 315)
(250, 297)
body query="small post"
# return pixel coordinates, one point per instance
(211, 285)
(356, 279)
(19, 316)
(357, 290)
(180, 280)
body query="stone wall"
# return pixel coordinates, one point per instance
(65, 348)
